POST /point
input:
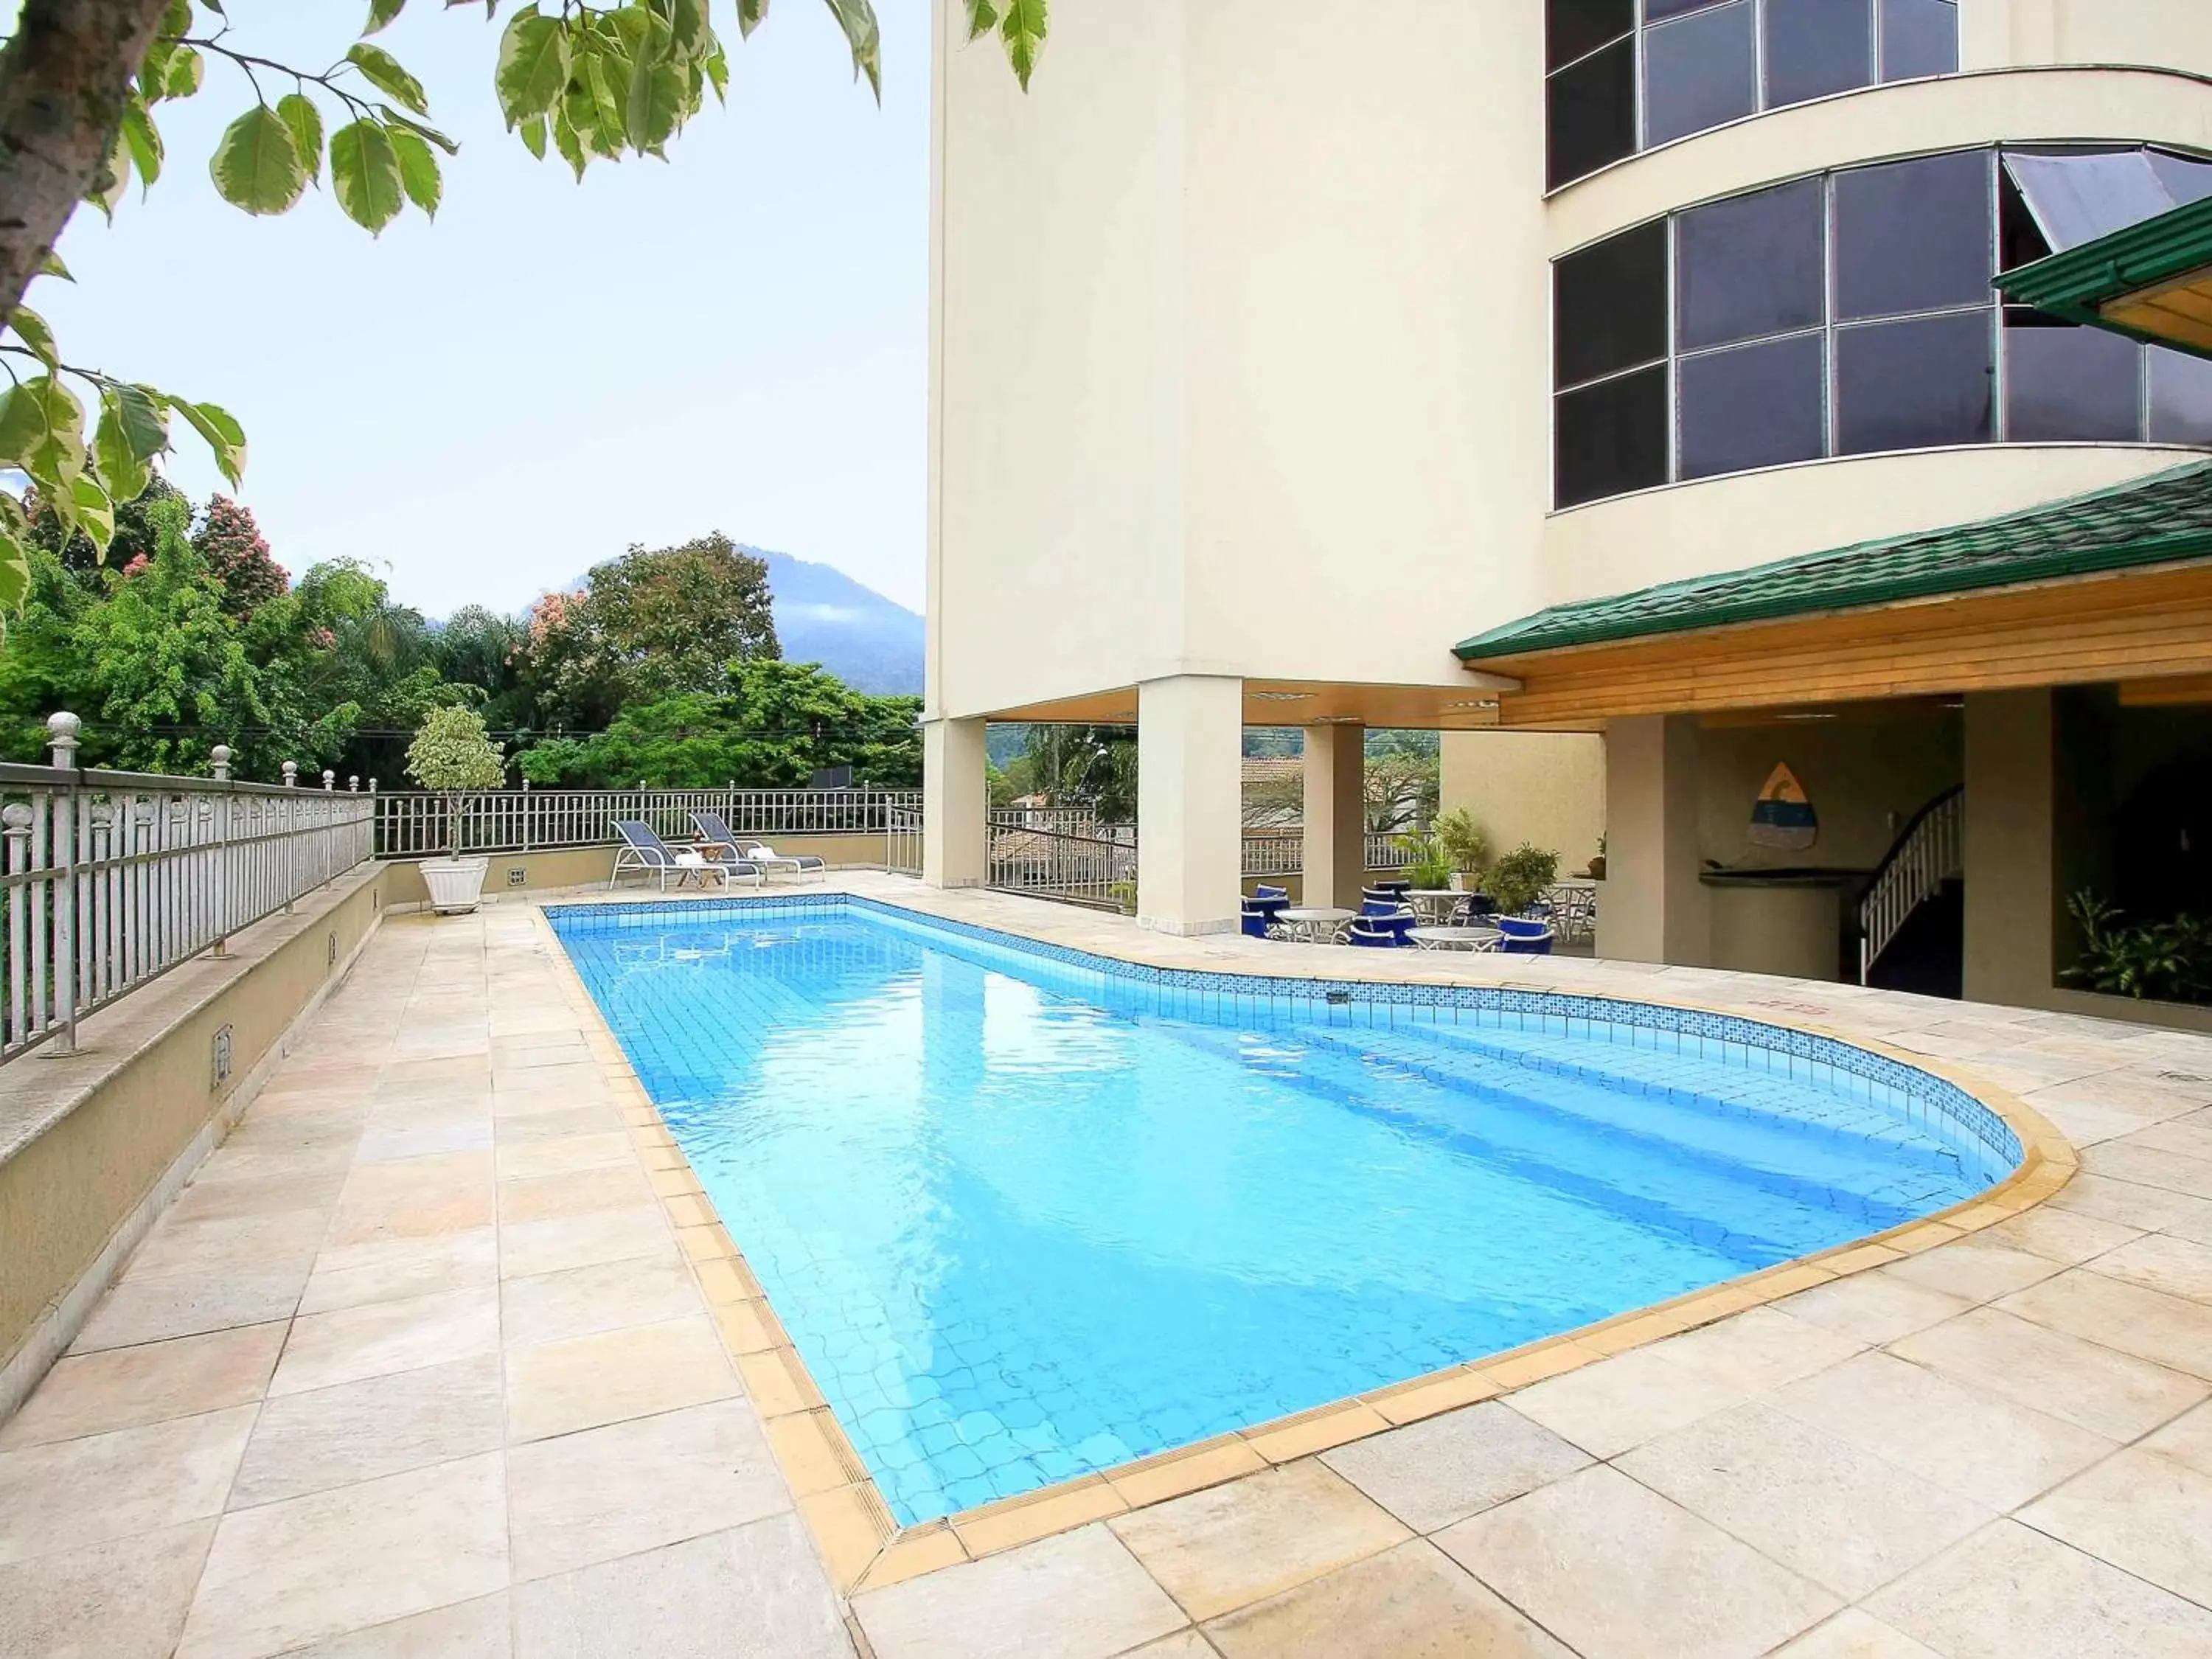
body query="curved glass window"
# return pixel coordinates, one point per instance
(1853, 312)
(1625, 75)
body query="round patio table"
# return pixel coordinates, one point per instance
(1457, 938)
(1435, 901)
(1312, 921)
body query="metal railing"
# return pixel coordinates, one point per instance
(112, 878)
(902, 841)
(1273, 853)
(1083, 863)
(1931, 851)
(415, 825)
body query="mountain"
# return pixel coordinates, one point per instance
(821, 615)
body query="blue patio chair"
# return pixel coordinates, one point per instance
(1381, 933)
(1393, 885)
(642, 849)
(1261, 890)
(1380, 901)
(1259, 914)
(1522, 937)
(713, 829)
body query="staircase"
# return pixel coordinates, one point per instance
(1916, 891)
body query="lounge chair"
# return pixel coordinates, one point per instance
(642, 848)
(713, 829)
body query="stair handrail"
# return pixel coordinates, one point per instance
(1930, 851)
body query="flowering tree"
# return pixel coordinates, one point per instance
(451, 754)
(237, 555)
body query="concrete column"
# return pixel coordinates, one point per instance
(955, 799)
(2010, 870)
(1190, 803)
(1336, 819)
(1653, 907)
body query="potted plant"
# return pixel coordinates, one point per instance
(1426, 866)
(451, 755)
(1466, 848)
(1521, 877)
(1597, 864)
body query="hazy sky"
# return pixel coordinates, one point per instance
(490, 404)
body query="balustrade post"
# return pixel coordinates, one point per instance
(219, 759)
(16, 818)
(291, 822)
(61, 732)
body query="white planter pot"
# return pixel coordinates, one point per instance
(455, 885)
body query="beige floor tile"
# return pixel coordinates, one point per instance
(464, 1630)
(581, 1301)
(121, 1388)
(2187, 1439)
(176, 1248)
(1230, 1545)
(2062, 1235)
(1410, 1602)
(124, 1599)
(363, 1430)
(1432, 1473)
(1873, 1307)
(2049, 1371)
(1183, 1645)
(2150, 1167)
(387, 1143)
(529, 1248)
(1080, 1595)
(1762, 1349)
(570, 1078)
(572, 1192)
(557, 1388)
(1622, 1402)
(2153, 1209)
(613, 1492)
(556, 1123)
(1827, 1510)
(2159, 1262)
(1975, 1269)
(154, 1309)
(521, 1160)
(378, 1338)
(2010, 1593)
(414, 1197)
(231, 1200)
(287, 1574)
(1618, 1572)
(2168, 1330)
(275, 1162)
(2146, 1513)
(757, 1592)
(1996, 1453)
(63, 1496)
(392, 1269)
(1852, 1634)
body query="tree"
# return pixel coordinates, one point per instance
(451, 754)
(237, 556)
(134, 535)
(80, 81)
(1093, 766)
(679, 618)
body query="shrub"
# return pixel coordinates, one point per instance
(1426, 865)
(1465, 846)
(2157, 961)
(451, 754)
(1520, 878)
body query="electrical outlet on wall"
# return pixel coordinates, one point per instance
(220, 1060)
(516, 875)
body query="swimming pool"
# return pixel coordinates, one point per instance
(1027, 1213)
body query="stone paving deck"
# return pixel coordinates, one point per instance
(415, 1366)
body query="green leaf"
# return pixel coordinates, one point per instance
(383, 71)
(533, 135)
(381, 12)
(570, 146)
(305, 122)
(112, 178)
(656, 108)
(15, 571)
(133, 429)
(22, 423)
(365, 173)
(533, 65)
(144, 140)
(857, 18)
(223, 433)
(42, 430)
(429, 135)
(607, 130)
(981, 16)
(32, 330)
(1022, 29)
(717, 65)
(51, 265)
(255, 167)
(691, 32)
(418, 169)
(186, 72)
(95, 511)
(749, 14)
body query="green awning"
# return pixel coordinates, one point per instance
(2153, 521)
(2150, 282)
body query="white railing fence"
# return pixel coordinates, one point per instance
(1931, 851)
(1274, 853)
(903, 841)
(112, 878)
(413, 825)
(1079, 860)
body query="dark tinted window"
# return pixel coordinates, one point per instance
(1910, 384)
(2180, 398)
(1609, 306)
(1751, 265)
(1656, 9)
(1591, 114)
(1611, 437)
(1756, 405)
(1698, 72)
(2021, 241)
(1918, 37)
(1814, 47)
(1913, 236)
(2063, 383)
(1573, 29)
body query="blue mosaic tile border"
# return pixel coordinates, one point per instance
(1929, 1102)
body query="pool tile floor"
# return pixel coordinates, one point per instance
(415, 1365)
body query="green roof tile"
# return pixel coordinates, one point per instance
(2152, 520)
(2075, 284)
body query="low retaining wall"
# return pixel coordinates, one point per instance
(94, 1143)
(581, 866)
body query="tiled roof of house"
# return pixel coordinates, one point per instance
(2152, 281)
(2154, 520)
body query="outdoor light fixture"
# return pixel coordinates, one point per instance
(1477, 702)
(1280, 696)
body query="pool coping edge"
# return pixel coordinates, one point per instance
(852, 1525)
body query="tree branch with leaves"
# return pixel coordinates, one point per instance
(81, 82)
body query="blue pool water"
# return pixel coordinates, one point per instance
(1026, 1217)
